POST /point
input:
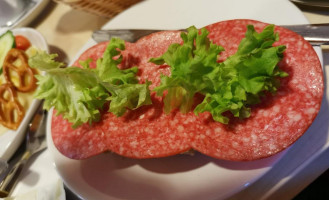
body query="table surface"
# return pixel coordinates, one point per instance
(62, 36)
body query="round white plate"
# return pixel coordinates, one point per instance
(28, 12)
(10, 141)
(108, 176)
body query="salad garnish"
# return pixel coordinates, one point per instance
(230, 86)
(80, 93)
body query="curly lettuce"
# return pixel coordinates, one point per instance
(230, 86)
(80, 93)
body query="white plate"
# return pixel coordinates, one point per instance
(10, 141)
(108, 176)
(30, 12)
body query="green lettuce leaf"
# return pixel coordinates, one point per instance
(107, 68)
(80, 93)
(129, 96)
(231, 86)
(190, 63)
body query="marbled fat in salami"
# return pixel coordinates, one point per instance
(148, 132)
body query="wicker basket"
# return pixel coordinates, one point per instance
(105, 8)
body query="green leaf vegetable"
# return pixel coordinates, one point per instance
(7, 41)
(80, 93)
(231, 86)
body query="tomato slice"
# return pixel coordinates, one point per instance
(22, 42)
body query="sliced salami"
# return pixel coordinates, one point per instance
(148, 132)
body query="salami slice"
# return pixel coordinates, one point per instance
(148, 132)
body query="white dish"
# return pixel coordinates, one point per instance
(10, 141)
(108, 176)
(28, 12)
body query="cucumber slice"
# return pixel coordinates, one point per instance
(7, 42)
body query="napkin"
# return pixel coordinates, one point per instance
(53, 191)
